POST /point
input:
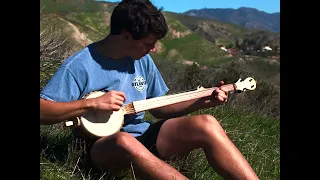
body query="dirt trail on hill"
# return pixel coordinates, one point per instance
(80, 37)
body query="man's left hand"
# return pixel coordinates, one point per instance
(218, 97)
(220, 94)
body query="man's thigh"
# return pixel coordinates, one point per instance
(167, 136)
(179, 136)
(111, 150)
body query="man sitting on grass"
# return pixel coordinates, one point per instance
(114, 64)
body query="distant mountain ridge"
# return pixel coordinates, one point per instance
(244, 16)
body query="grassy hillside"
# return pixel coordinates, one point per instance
(223, 33)
(215, 31)
(52, 6)
(258, 138)
(181, 43)
(251, 119)
(189, 38)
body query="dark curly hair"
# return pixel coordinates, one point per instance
(140, 18)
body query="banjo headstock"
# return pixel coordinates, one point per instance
(244, 85)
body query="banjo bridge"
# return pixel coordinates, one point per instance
(129, 109)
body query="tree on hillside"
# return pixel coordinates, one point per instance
(237, 44)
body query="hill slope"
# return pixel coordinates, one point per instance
(190, 39)
(247, 17)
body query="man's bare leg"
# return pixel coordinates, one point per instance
(117, 151)
(184, 134)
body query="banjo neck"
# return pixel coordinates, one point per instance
(148, 104)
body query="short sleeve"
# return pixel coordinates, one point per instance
(156, 85)
(62, 87)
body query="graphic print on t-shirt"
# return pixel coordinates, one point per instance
(139, 83)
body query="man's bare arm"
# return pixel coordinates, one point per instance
(219, 96)
(56, 112)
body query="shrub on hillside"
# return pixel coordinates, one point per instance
(53, 50)
(263, 100)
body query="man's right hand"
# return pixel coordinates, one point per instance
(52, 112)
(110, 101)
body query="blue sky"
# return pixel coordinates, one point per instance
(269, 6)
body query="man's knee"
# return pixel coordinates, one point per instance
(124, 141)
(206, 121)
(113, 147)
(209, 125)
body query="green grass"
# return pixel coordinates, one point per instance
(70, 5)
(93, 24)
(224, 33)
(194, 48)
(95, 20)
(256, 137)
(175, 24)
(258, 67)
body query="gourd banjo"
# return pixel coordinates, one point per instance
(100, 124)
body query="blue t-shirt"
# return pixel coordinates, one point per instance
(87, 71)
